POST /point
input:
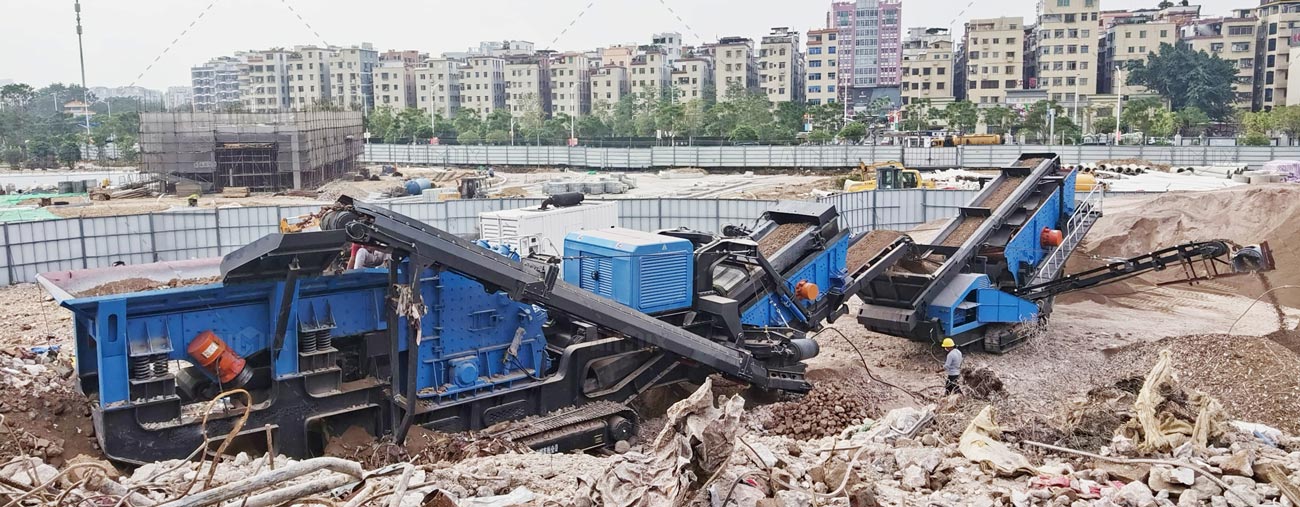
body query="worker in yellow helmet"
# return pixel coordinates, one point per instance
(951, 366)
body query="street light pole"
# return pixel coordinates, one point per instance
(1119, 101)
(85, 99)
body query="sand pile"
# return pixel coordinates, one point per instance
(1246, 215)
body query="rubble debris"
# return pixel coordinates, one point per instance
(979, 443)
(981, 382)
(1166, 416)
(695, 443)
(126, 285)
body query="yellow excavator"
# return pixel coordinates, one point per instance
(890, 175)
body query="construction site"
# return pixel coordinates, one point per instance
(263, 152)
(1044, 343)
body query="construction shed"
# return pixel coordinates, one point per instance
(265, 152)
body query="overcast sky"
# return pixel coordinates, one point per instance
(122, 37)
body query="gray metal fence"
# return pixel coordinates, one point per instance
(807, 156)
(36, 247)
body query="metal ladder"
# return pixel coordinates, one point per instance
(1086, 213)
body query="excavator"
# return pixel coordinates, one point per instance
(889, 175)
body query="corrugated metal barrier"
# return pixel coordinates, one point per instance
(36, 247)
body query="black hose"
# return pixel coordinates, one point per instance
(917, 397)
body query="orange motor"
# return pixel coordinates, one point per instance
(1051, 237)
(219, 359)
(806, 290)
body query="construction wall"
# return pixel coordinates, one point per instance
(265, 152)
(30, 248)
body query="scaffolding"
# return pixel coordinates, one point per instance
(266, 152)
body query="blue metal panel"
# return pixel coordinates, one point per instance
(955, 306)
(1067, 193)
(826, 270)
(1026, 246)
(648, 272)
(998, 306)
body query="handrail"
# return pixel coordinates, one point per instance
(1090, 203)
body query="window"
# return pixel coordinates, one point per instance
(1085, 33)
(1011, 83)
(1272, 28)
(831, 49)
(1142, 49)
(1130, 49)
(830, 88)
(1069, 18)
(814, 51)
(1270, 61)
(815, 63)
(1272, 44)
(1238, 47)
(1069, 81)
(1062, 3)
(1164, 34)
(1083, 49)
(1142, 34)
(1241, 30)
(1059, 34)
(941, 71)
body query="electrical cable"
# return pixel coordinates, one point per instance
(917, 397)
(1252, 304)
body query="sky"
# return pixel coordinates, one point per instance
(140, 42)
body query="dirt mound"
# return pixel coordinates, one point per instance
(981, 382)
(1246, 215)
(422, 446)
(1253, 377)
(41, 414)
(128, 285)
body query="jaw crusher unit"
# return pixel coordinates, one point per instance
(449, 335)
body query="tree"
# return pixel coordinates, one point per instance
(592, 126)
(69, 152)
(1104, 125)
(999, 119)
(790, 115)
(497, 137)
(1257, 127)
(1140, 115)
(1192, 121)
(1036, 121)
(853, 132)
(961, 115)
(13, 157)
(827, 117)
(1286, 119)
(917, 115)
(410, 125)
(468, 120)
(469, 137)
(380, 122)
(694, 117)
(744, 133)
(1188, 78)
(819, 136)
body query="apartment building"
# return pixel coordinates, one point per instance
(693, 78)
(395, 85)
(1066, 35)
(927, 65)
(735, 65)
(528, 84)
(870, 48)
(408, 56)
(992, 59)
(609, 84)
(352, 77)
(823, 59)
(437, 87)
(309, 77)
(570, 84)
(483, 84)
(179, 98)
(781, 66)
(1233, 39)
(264, 81)
(1278, 22)
(216, 84)
(617, 56)
(650, 72)
(1130, 40)
(671, 42)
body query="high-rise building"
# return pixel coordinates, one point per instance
(264, 81)
(735, 65)
(528, 84)
(608, 85)
(309, 77)
(823, 59)
(650, 72)
(483, 84)
(781, 66)
(437, 87)
(352, 76)
(871, 49)
(179, 98)
(395, 85)
(927, 65)
(671, 42)
(1127, 41)
(992, 59)
(1273, 41)
(216, 84)
(1232, 39)
(1066, 35)
(693, 78)
(570, 84)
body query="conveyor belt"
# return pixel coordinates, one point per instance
(427, 244)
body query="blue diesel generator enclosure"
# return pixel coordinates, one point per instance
(651, 273)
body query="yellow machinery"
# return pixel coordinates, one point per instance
(1086, 181)
(890, 175)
